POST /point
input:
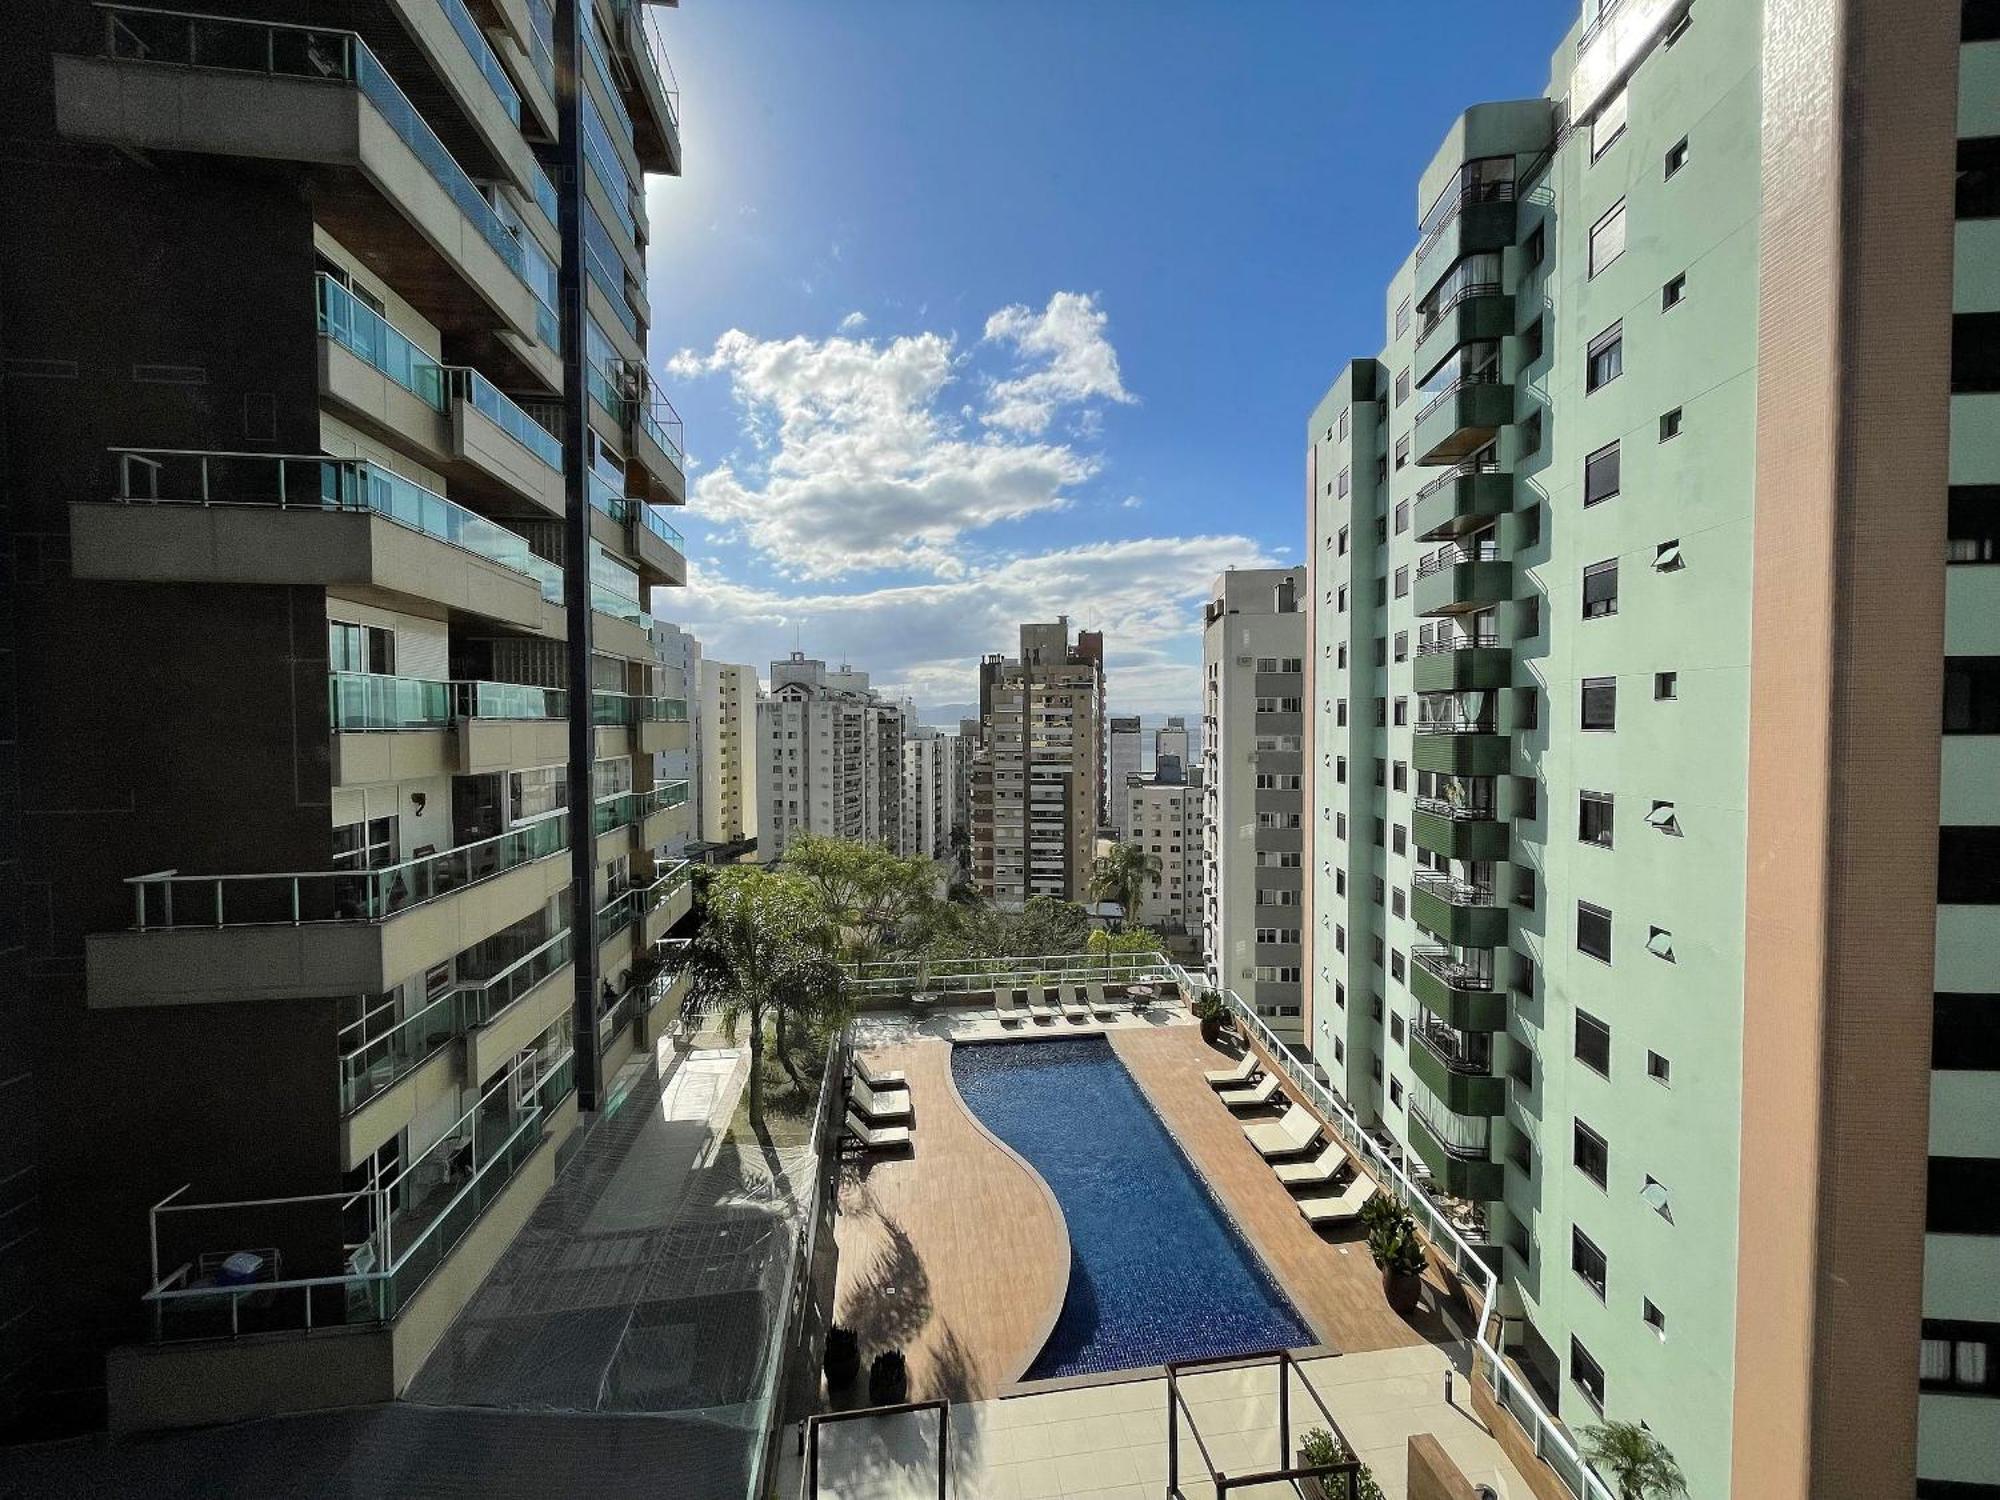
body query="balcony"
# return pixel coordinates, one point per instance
(1458, 1069)
(1462, 500)
(175, 81)
(1474, 214)
(1462, 663)
(1475, 312)
(1459, 748)
(1461, 994)
(1461, 579)
(652, 93)
(1462, 416)
(659, 547)
(661, 723)
(1460, 1170)
(1459, 912)
(665, 900)
(181, 516)
(1458, 832)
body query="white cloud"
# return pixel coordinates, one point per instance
(1131, 502)
(1064, 359)
(861, 463)
(853, 322)
(926, 639)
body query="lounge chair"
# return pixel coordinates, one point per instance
(885, 1078)
(877, 1137)
(1076, 1005)
(1229, 1078)
(1103, 1008)
(1288, 1137)
(889, 1104)
(1321, 1170)
(1251, 1098)
(1010, 1004)
(1338, 1208)
(1042, 1001)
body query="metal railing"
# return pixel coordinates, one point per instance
(483, 396)
(651, 518)
(1450, 204)
(1455, 1050)
(1457, 812)
(135, 33)
(654, 55)
(1456, 892)
(1454, 972)
(1488, 376)
(1456, 726)
(1340, 1480)
(946, 976)
(1444, 644)
(1457, 472)
(1454, 553)
(1439, 311)
(313, 481)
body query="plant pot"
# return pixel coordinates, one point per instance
(1312, 1487)
(1402, 1291)
(1211, 1029)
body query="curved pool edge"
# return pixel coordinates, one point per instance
(1061, 1291)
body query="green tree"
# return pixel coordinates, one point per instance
(1122, 876)
(866, 892)
(1107, 945)
(763, 952)
(1637, 1462)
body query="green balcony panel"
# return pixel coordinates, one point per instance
(1460, 501)
(1475, 1178)
(1461, 754)
(1460, 1000)
(1470, 1094)
(1462, 418)
(1454, 588)
(1461, 669)
(1450, 914)
(1483, 220)
(1477, 315)
(1459, 837)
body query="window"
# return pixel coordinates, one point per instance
(1587, 1261)
(1972, 695)
(1593, 1043)
(1593, 931)
(1396, 903)
(1343, 422)
(1402, 839)
(1396, 1091)
(1341, 605)
(1534, 248)
(1531, 526)
(1341, 549)
(1600, 475)
(1968, 866)
(360, 648)
(1677, 156)
(1670, 425)
(1674, 293)
(1403, 317)
(1608, 125)
(1402, 508)
(1972, 524)
(1658, 1068)
(1963, 1195)
(1589, 1154)
(1600, 589)
(1600, 703)
(1588, 1375)
(1402, 453)
(1593, 823)
(1402, 386)
(1607, 238)
(1403, 581)
(1399, 776)
(1978, 194)
(1604, 358)
(1524, 887)
(1342, 483)
(1666, 686)
(1959, 1356)
(1655, 1319)
(1975, 351)
(1396, 1023)
(1402, 645)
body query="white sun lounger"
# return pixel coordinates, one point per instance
(887, 1078)
(1101, 1006)
(1251, 1098)
(1043, 1007)
(877, 1137)
(888, 1104)
(1340, 1207)
(1008, 1004)
(1288, 1137)
(1320, 1170)
(1074, 1003)
(1227, 1078)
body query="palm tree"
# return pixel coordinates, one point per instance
(1122, 876)
(764, 951)
(1637, 1462)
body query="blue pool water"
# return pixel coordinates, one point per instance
(1157, 1271)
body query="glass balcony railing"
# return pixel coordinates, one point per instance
(636, 708)
(653, 521)
(144, 34)
(625, 809)
(483, 55)
(652, 897)
(364, 701)
(542, 44)
(509, 700)
(545, 192)
(371, 338)
(654, 57)
(474, 388)
(654, 414)
(608, 495)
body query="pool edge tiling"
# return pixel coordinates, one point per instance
(1192, 1284)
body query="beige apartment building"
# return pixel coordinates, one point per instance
(727, 725)
(829, 758)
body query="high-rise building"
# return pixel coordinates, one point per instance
(1630, 623)
(1163, 811)
(680, 676)
(930, 791)
(1123, 758)
(1252, 730)
(1171, 738)
(728, 730)
(829, 758)
(1038, 773)
(326, 384)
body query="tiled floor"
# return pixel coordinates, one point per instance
(1109, 1442)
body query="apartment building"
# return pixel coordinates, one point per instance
(728, 729)
(678, 655)
(1624, 656)
(336, 909)
(930, 791)
(1123, 759)
(1252, 736)
(1037, 776)
(1163, 810)
(829, 758)
(1171, 738)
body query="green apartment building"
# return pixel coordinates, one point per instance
(1627, 584)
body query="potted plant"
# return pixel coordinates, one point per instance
(889, 1379)
(1213, 1012)
(1380, 1212)
(1317, 1449)
(842, 1362)
(1401, 1255)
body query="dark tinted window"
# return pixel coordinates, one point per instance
(1972, 695)
(1964, 1195)
(1972, 524)
(1969, 866)
(1979, 178)
(1965, 1033)
(1600, 475)
(1600, 589)
(1593, 1042)
(1593, 931)
(1975, 351)
(1592, 1157)
(1600, 703)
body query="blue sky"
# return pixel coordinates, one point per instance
(983, 312)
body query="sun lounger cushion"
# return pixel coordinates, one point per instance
(1223, 1078)
(879, 1104)
(1289, 1136)
(877, 1078)
(876, 1137)
(1322, 1168)
(1338, 1208)
(1261, 1093)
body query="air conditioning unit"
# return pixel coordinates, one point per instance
(1244, 661)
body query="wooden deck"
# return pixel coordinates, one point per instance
(1327, 1274)
(955, 1252)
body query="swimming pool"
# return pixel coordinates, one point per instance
(1157, 1271)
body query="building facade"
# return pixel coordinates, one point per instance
(360, 440)
(728, 729)
(1038, 796)
(1596, 739)
(678, 655)
(1252, 736)
(829, 758)
(1171, 738)
(930, 791)
(1163, 810)
(1123, 758)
